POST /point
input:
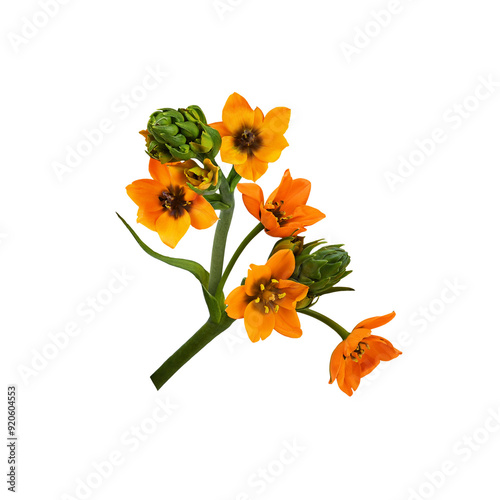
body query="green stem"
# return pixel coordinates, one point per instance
(194, 345)
(327, 321)
(250, 236)
(220, 238)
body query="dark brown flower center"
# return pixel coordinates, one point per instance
(248, 140)
(172, 199)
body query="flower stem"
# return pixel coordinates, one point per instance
(249, 237)
(220, 238)
(194, 345)
(327, 321)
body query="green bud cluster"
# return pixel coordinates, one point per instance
(178, 135)
(322, 269)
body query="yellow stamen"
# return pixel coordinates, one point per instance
(266, 309)
(281, 295)
(277, 308)
(257, 300)
(274, 281)
(262, 287)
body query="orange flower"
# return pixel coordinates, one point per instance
(267, 300)
(249, 140)
(360, 354)
(285, 212)
(167, 205)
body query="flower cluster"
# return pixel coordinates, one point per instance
(186, 189)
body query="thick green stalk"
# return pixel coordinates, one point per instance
(210, 329)
(220, 238)
(327, 321)
(194, 345)
(249, 237)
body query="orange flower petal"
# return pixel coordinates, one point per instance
(352, 374)
(189, 194)
(287, 323)
(258, 324)
(268, 219)
(237, 301)
(202, 213)
(177, 175)
(284, 231)
(297, 195)
(221, 128)
(294, 292)
(145, 193)
(352, 341)
(237, 114)
(305, 216)
(278, 120)
(148, 219)
(369, 362)
(376, 321)
(281, 192)
(341, 380)
(272, 146)
(335, 361)
(383, 348)
(257, 275)
(258, 118)
(230, 153)
(252, 198)
(172, 229)
(252, 169)
(281, 264)
(159, 172)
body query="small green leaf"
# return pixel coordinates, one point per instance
(218, 205)
(213, 197)
(204, 192)
(338, 289)
(216, 201)
(197, 270)
(213, 306)
(232, 179)
(195, 113)
(216, 139)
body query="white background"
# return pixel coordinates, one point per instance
(434, 236)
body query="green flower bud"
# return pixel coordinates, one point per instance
(293, 243)
(305, 302)
(194, 114)
(320, 270)
(177, 135)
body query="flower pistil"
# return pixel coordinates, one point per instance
(172, 199)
